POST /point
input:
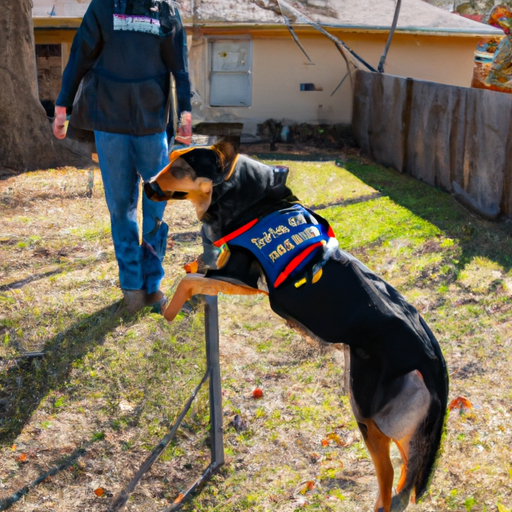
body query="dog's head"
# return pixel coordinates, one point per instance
(191, 174)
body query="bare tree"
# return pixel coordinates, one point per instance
(26, 139)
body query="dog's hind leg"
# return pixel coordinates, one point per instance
(403, 446)
(401, 500)
(378, 446)
(405, 403)
(399, 419)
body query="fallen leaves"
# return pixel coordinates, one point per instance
(309, 486)
(460, 403)
(315, 457)
(99, 492)
(332, 436)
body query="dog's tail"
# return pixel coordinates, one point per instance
(424, 450)
(426, 443)
(426, 447)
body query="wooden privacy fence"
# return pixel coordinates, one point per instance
(456, 138)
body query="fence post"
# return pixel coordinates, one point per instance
(211, 321)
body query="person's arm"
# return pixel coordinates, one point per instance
(175, 56)
(85, 50)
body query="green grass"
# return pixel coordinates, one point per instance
(111, 384)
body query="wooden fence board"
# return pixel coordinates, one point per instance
(487, 119)
(435, 135)
(378, 113)
(440, 134)
(360, 110)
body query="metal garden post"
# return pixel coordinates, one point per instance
(211, 320)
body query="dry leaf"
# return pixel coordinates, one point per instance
(502, 508)
(308, 487)
(325, 442)
(179, 498)
(336, 438)
(22, 458)
(99, 491)
(460, 403)
(13, 447)
(314, 457)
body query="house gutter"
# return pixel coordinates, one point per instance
(73, 23)
(56, 23)
(350, 28)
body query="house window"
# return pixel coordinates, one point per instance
(230, 73)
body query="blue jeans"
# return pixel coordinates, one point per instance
(123, 160)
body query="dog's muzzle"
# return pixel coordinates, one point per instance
(155, 193)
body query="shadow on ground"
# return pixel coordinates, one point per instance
(24, 382)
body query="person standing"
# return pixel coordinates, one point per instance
(118, 84)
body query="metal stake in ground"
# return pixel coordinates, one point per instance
(211, 326)
(216, 433)
(212, 358)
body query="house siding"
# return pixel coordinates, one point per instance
(279, 67)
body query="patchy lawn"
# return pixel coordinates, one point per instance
(83, 417)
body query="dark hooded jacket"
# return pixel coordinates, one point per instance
(121, 59)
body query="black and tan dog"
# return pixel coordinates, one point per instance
(255, 230)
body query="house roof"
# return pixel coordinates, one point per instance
(59, 8)
(358, 15)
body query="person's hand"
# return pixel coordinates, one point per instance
(59, 123)
(184, 130)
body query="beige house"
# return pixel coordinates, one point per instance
(246, 68)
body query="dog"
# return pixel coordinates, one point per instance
(258, 238)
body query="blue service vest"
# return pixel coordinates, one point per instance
(284, 242)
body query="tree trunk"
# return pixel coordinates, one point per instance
(26, 138)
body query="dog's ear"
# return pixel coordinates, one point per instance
(227, 156)
(215, 162)
(205, 163)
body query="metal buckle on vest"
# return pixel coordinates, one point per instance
(317, 275)
(223, 256)
(300, 282)
(314, 279)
